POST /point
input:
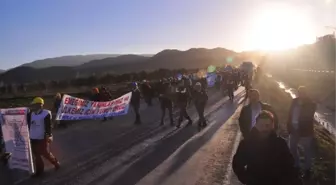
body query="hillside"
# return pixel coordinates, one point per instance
(170, 59)
(74, 60)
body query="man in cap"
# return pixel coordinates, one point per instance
(40, 131)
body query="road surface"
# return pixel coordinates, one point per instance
(111, 152)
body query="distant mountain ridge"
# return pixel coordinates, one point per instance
(118, 64)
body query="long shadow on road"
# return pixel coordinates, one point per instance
(168, 146)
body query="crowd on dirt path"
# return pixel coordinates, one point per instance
(172, 93)
(265, 158)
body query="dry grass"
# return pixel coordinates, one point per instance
(324, 165)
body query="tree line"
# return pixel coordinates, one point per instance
(92, 80)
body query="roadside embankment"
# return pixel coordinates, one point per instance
(324, 164)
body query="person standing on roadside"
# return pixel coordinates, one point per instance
(249, 113)
(40, 131)
(135, 101)
(300, 127)
(263, 158)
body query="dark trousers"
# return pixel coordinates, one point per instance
(183, 112)
(166, 104)
(40, 148)
(230, 91)
(200, 106)
(148, 100)
(136, 108)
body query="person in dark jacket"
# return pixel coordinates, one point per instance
(105, 95)
(300, 126)
(264, 158)
(147, 92)
(165, 98)
(200, 99)
(182, 97)
(248, 114)
(230, 86)
(135, 101)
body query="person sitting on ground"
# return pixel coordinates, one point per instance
(264, 158)
(248, 114)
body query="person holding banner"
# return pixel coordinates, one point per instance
(40, 130)
(135, 101)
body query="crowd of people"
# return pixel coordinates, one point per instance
(262, 156)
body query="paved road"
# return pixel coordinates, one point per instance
(86, 145)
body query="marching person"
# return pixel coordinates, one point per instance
(230, 84)
(182, 102)
(135, 101)
(249, 113)
(40, 131)
(200, 99)
(166, 101)
(263, 158)
(300, 126)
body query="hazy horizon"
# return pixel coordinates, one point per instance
(37, 29)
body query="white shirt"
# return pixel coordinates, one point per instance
(37, 128)
(256, 109)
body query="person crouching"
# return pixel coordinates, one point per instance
(264, 158)
(40, 131)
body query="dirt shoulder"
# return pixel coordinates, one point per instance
(324, 164)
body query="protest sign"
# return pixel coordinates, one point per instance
(73, 108)
(16, 137)
(211, 79)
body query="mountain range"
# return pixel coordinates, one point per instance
(69, 67)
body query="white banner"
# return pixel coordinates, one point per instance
(73, 108)
(16, 137)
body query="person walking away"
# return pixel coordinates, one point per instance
(264, 158)
(165, 98)
(247, 84)
(230, 84)
(40, 131)
(249, 113)
(200, 99)
(146, 90)
(135, 101)
(300, 127)
(182, 102)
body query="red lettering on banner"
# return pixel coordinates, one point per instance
(126, 98)
(66, 101)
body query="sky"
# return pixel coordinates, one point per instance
(38, 29)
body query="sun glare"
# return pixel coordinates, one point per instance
(279, 27)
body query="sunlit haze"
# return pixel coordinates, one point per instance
(38, 29)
